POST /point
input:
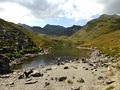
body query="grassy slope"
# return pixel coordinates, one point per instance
(103, 25)
(103, 33)
(109, 43)
(41, 40)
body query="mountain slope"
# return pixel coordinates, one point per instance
(14, 40)
(103, 32)
(103, 25)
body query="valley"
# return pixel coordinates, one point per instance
(21, 45)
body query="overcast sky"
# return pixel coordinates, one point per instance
(59, 12)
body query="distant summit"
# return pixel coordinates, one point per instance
(54, 30)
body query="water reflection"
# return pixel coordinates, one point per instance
(51, 58)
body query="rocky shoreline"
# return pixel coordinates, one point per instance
(7, 65)
(93, 73)
(27, 56)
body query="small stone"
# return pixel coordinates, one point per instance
(21, 76)
(81, 80)
(4, 76)
(79, 88)
(100, 78)
(70, 81)
(66, 67)
(109, 82)
(74, 67)
(48, 69)
(31, 82)
(73, 77)
(51, 78)
(11, 83)
(86, 69)
(28, 79)
(62, 78)
(46, 84)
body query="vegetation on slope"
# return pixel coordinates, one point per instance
(16, 41)
(103, 32)
(103, 25)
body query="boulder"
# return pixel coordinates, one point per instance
(36, 73)
(4, 65)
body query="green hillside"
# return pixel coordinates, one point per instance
(103, 25)
(16, 40)
(103, 32)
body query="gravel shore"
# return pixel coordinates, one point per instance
(81, 74)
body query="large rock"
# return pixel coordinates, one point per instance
(4, 65)
(36, 73)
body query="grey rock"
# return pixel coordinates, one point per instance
(36, 74)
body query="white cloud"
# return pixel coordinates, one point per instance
(25, 11)
(81, 9)
(15, 13)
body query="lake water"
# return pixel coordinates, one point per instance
(52, 57)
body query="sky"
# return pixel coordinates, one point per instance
(56, 12)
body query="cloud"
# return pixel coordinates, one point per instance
(81, 9)
(71, 9)
(113, 7)
(15, 13)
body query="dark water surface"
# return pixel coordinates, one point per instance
(51, 58)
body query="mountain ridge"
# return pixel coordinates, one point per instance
(54, 30)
